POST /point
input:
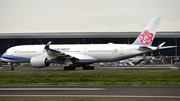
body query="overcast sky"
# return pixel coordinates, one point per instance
(87, 15)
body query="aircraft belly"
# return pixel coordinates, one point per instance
(102, 57)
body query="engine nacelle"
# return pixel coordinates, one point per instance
(39, 62)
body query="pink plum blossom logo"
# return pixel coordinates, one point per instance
(146, 37)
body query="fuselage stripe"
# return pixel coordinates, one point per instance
(11, 57)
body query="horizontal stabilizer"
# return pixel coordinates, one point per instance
(160, 46)
(146, 48)
(167, 47)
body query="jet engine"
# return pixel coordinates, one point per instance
(39, 62)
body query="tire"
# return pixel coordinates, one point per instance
(92, 67)
(72, 68)
(11, 68)
(65, 68)
(85, 68)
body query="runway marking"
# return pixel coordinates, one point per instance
(7, 89)
(92, 96)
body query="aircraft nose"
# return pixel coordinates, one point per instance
(2, 57)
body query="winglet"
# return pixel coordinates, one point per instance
(147, 35)
(47, 45)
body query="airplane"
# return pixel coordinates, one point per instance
(135, 60)
(83, 55)
(138, 61)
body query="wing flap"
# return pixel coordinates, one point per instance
(83, 57)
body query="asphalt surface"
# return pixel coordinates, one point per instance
(92, 92)
(147, 68)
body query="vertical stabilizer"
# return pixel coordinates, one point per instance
(147, 35)
(144, 56)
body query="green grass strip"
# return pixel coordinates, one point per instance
(90, 78)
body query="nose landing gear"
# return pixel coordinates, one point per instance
(11, 68)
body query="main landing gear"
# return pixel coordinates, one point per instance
(11, 68)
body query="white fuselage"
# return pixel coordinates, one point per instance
(92, 52)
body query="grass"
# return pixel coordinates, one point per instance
(90, 78)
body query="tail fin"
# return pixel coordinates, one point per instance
(147, 35)
(144, 56)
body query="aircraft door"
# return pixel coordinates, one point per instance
(85, 50)
(39, 51)
(121, 50)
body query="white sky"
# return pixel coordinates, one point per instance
(87, 15)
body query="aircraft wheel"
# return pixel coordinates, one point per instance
(92, 67)
(72, 68)
(84, 68)
(11, 68)
(65, 68)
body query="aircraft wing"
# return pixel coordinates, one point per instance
(54, 54)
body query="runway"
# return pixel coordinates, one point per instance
(92, 92)
(148, 68)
